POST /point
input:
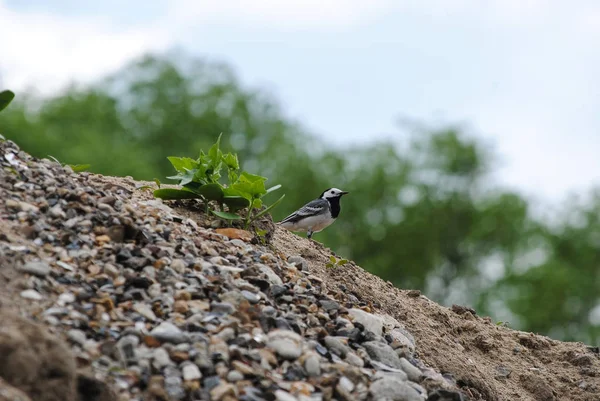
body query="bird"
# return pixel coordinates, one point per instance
(317, 214)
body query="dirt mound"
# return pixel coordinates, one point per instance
(488, 361)
(157, 305)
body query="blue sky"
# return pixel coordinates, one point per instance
(523, 74)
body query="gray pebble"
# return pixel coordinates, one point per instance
(312, 366)
(38, 268)
(336, 346)
(191, 372)
(161, 358)
(383, 353)
(31, 294)
(168, 332)
(234, 376)
(77, 336)
(371, 322)
(414, 374)
(392, 389)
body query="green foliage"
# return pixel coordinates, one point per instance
(334, 262)
(425, 212)
(199, 178)
(6, 97)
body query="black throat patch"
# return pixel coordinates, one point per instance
(334, 203)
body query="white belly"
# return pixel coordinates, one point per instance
(315, 223)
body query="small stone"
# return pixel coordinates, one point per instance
(57, 212)
(251, 297)
(383, 353)
(77, 336)
(329, 305)
(181, 307)
(414, 374)
(38, 268)
(336, 346)
(191, 372)
(126, 348)
(31, 294)
(168, 332)
(234, 376)
(178, 265)
(160, 358)
(287, 344)
(345, 384)
(368, 320)
(103, 239)
(354, 360)
(222, 390)
(312, 366)
(282, 395)
(299, 262)
(390, 388)
(227, 334)
(271, 275)
(66, 298)
(111, 270)
(144, 310)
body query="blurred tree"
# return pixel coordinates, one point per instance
(423, 211)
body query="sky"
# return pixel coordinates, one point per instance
(521, 74)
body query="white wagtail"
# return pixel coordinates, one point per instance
(317, 214)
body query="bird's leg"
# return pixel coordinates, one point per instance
(309, 233)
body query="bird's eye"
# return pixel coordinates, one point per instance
(332, 192)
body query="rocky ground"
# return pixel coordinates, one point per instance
(108, 294)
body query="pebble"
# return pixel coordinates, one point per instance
(368, 320)
(281, 395)
(31, 294)
(234, 376)
(161, 358)
(38, 268)
(77, 336)
(168, 332)
(383, 353)
(285, 343)
(392, 389)
(414, 374)
(191, 372)
(312, 366)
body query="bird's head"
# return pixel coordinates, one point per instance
(333, 193)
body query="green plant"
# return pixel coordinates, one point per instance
(200, 179)
(77, 168)
(334, 262)
(5, 98)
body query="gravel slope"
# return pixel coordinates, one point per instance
(134, 299)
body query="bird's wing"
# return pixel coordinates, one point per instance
(312, 208)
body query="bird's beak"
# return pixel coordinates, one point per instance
(344, 192)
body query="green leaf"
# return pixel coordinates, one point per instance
(235, 202)
(144, 187)
(332, 258)
(5, 98)
(183, 164)
(226, 215)
(261, 233)
(208, 191)
(55, 159)
(175, 194)
(342, 262)
(273, 188)
(256, 204)
(77, 168)
(157, 182)
(231, 161)
(270, 207)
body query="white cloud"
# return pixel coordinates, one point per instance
(288, 14)
(47, 51)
